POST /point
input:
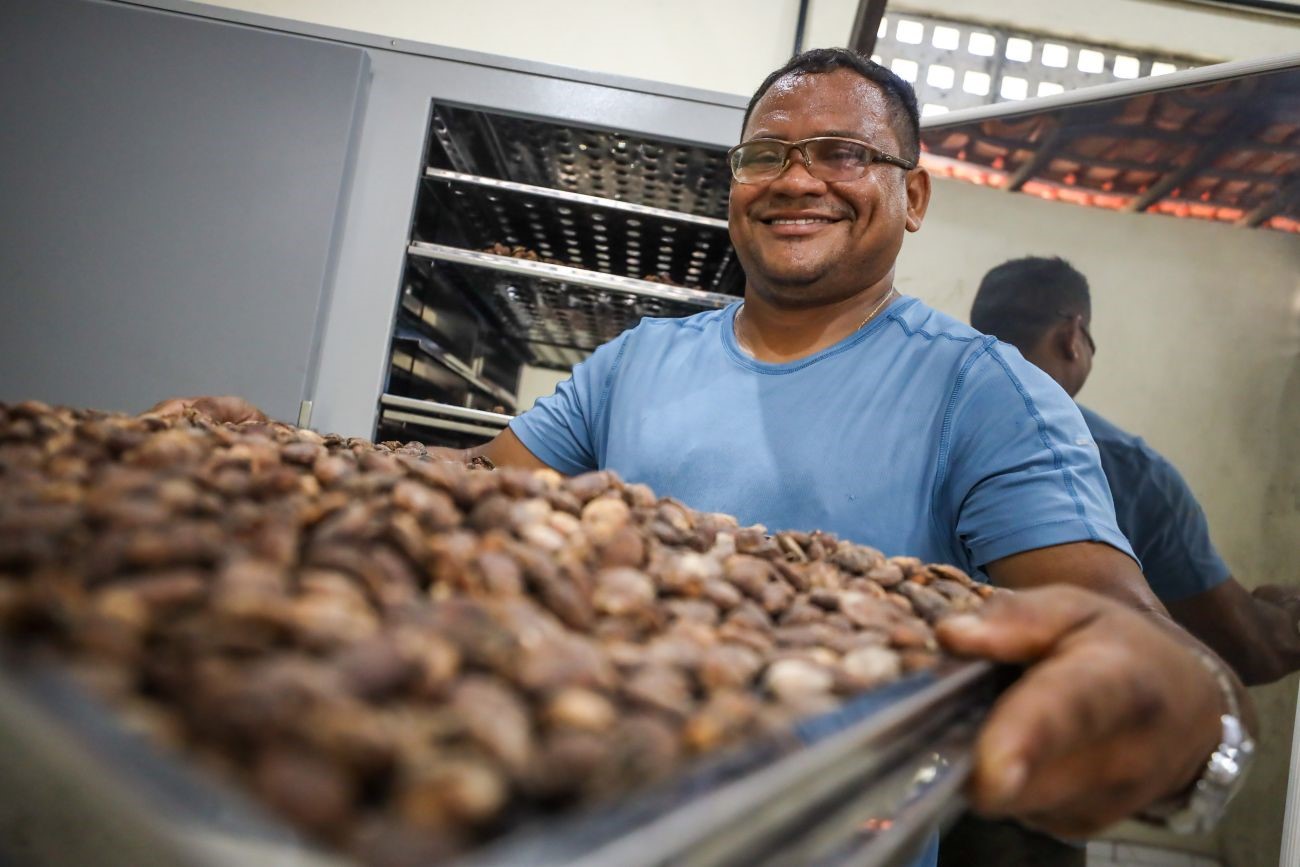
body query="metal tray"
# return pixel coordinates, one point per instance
(862, 784)
(76, 788)
(584, 231)
(676, 177)
(543, 305)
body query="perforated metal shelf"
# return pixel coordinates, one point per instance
(395, 409)
(585, 231)
(612, 165)
(562, 313)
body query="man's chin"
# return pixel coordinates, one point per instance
(796, 290)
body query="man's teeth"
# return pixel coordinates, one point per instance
(801, 221)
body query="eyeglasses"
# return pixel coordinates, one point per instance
(827, 158)
(1087, 335)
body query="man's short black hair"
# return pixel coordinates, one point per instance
(1019, 300)
(904, 114)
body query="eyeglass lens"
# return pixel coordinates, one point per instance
(831, 159)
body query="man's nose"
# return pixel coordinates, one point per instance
(796, 179)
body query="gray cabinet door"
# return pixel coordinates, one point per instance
(171, 190)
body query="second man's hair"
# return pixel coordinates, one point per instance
(1019, 300)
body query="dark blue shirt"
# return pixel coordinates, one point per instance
(1158, 513)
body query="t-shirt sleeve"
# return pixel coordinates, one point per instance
(1018, 467)
(1170, 532)
(566, 429)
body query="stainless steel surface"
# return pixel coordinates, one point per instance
(555, 305)
(76, 789)
(576, 277)
(393, 416)
(1291, 822)
(762, 803)
(70, 763)
(585, 231)
(693, 179)
(575, 198)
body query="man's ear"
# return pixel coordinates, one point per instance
(918, 197)
(1064, 340)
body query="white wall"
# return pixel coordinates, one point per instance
(722, 45)
(730, 45)
(535, 382)
(1198, 334)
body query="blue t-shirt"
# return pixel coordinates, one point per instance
(1158, 513)
(917, 435)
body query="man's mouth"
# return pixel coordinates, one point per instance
(798, 225)
(800, 221)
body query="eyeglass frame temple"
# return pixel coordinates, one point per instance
(881, 156)
(1092, 344)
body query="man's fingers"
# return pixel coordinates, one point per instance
(1021, 627)
(225, 408)
(1287, 598)
(171, 407)
(229, 408)
(1083, 738)
(1057, 708)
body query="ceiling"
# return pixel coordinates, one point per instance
(1218, 143)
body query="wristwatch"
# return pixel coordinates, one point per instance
(1200, 807)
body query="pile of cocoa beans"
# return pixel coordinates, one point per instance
(405, 656)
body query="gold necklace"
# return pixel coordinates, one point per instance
(872, 315)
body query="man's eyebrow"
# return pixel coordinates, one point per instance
(837, 133)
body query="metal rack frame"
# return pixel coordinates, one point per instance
(639, 225)
(430, 349)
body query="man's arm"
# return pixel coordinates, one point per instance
(503, 450)
(1257, 634)
(1091, 565)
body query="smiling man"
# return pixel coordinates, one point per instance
(827, 400)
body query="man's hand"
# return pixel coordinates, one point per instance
(1113, 714)
(1280, 596)
(1280, 607)
(503, 450)
(225, 409)
(1256, 633)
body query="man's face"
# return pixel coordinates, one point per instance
(857, 226)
